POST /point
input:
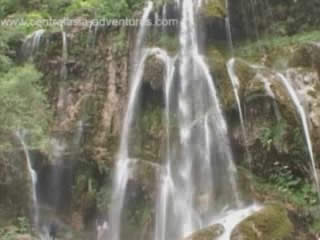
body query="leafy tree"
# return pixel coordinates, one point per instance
(23, 104)
(120, 8)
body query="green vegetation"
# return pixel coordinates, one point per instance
(276, 44)
(271, 222)
(23, 103)
(214, 8)
(210, 233)
(167, 42)
(59, 8)
(289, 175)
(287, 189)
(11, 232)
(275, 134)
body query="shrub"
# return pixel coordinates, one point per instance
(23, 103)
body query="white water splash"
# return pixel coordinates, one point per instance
(232, 218)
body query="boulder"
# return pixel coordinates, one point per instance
(214, 9)
(209, 233)
(146, 176)
(271, 223)
(154, 72)
(24, 237)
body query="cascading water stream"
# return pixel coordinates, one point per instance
(64, 70)
(300, 110)
(200, 165)
(197, 182)
(228, 28)
(236, 86)
(92, 34)
(177, 3)
(253, 4)
(304, 120)
(32, 42)
(123, 167)
(166, 184)
(33, 175)
(142, 32)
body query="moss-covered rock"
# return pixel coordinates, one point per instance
(146, 177)
(217, 63)
(154, 72)
(209, 233)
(271, 223)
(301, 57)
(306, 56)
(24, 237)
(316, 58)
(214, 8)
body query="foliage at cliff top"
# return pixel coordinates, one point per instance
(255, 50)
(61, 8)
(23, 104)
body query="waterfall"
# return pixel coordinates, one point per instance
(177, 2)
(32, 42)
(236, 86)
(253, 4)
(304, 119)
(296, 101)
(164, 17)
(33, 174)
(228, 28)
(142, 32)
(78, 133)
(92, 34)
(64, 69)
(200, 165)
(197, 181)
(125, 166)
(232, 218)
(166, 184)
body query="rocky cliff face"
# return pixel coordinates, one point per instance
(88, 107)
(89, 103)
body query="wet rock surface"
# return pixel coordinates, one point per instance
(154, 73)
(272, 222)
(209, 233)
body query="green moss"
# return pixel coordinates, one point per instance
(217, 62)
(271, 223)
(214, 8)
(245, 73)
(275, 46)
(209, 233)
(168, 42)
(150, 133)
